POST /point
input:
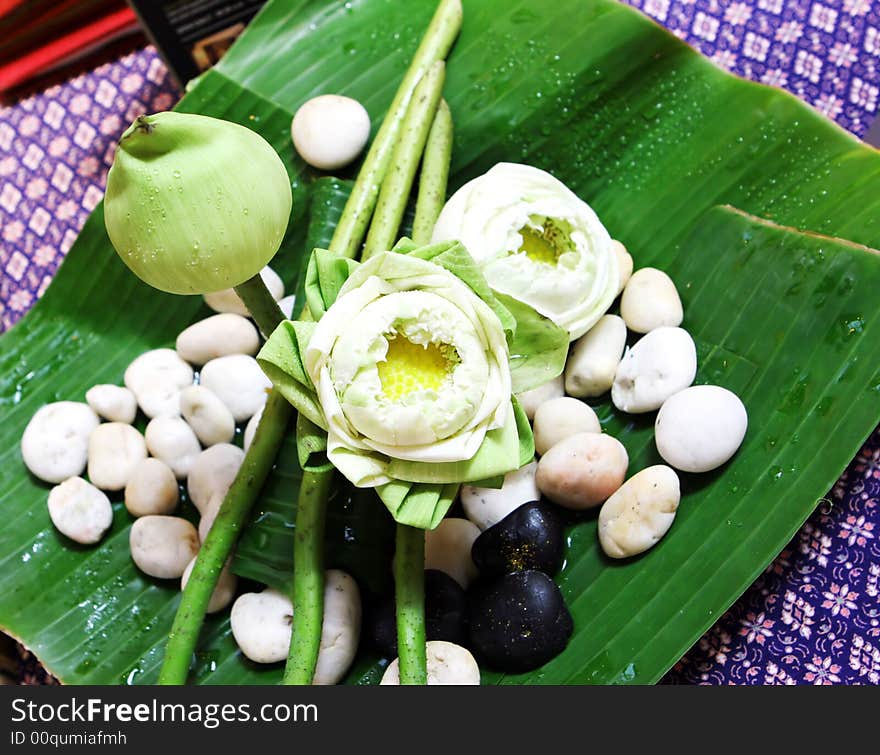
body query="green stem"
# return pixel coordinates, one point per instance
(409, 569)
(434, 176)
(404, 161)
(308, 583)
(409, 596)
(221, 538)
(435, 46)
(308, 579)
(261, 304)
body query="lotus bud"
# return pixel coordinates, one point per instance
(195, 204)
(537, 242)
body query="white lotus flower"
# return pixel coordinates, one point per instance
(535, 241)
(410, 365)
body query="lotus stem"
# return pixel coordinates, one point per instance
(235, 508)
(221, 538)
(308, 583)
(424, 73)
(309, 579)
(260, 303)
(404, 161)
(409, 569)
(434, 175)
(435, 46)
(409, 597)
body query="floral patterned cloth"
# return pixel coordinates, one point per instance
(55, 150)
(827, 52)
(814, 616)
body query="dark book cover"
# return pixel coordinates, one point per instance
(192, 35)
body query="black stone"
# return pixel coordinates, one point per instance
(445, 615)
(529, 537)
(518, 622)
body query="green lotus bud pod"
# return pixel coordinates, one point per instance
(195, 204)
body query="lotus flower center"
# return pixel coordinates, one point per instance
(544, 240)
(411, 367)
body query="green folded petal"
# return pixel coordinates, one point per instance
(526, 438)
(526, 448)
(418, 504)
(311, 445)
(539, 347)
(282, 349)
(447, 497)
(281, 358)
(405, 245)
(325, 275)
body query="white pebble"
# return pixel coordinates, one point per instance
(251, 429)
(624, 264)
(261, 625)
(448, 549)
(330, 131)
(650, 300)
(641, 512)
(659, 365)
(238, 382)
(447, 663)
(155, 378)
(173, 441)
(115, 449)
(561, 418)
(531, 400)
(55, 442)
(218, 336)
(223, 593)
(212, 473)
(207, 415)
(341, 627)
(80, 511)
(227, 301)
(486, 507)
(151, 489)
(583, 470)
(592, 363)
(162, 546)
(286, 305)
(700, 428)
(112, 402)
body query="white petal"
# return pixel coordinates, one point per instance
(407, 297)
(487, 215)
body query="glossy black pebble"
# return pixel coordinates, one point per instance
(445, 615)
(529, 537)
(518, 622)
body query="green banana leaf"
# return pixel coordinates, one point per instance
(649, 133)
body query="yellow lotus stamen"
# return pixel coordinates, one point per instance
(411, 367)
(539, 246)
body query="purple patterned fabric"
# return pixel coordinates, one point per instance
(55, 150)
(814, 616)
(827, 53)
